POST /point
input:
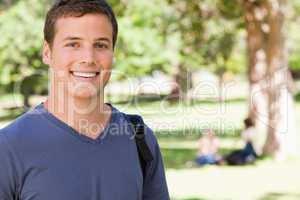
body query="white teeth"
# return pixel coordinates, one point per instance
(85, 74)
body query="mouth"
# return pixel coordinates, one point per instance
(84, 75)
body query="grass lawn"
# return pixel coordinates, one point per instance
(178, 126)
(266, 180)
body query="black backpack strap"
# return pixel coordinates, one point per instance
(145, 155)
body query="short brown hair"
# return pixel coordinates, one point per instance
(249, 122)
(77, 8)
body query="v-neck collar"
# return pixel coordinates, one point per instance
(68, 129)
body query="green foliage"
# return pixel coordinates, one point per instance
(230, 9)
(294, 62)
(293, 37)
(177, 158)
(296, 6)
(21, 42)
(297, 97)
(154, 35)
(187, 19)
(189, 33)
(141, 48)
(209, 32)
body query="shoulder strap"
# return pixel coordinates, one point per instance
(145, 155)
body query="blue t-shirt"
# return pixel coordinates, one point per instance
(42, 158)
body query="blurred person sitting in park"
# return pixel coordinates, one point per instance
(208, 146)
(248, 154)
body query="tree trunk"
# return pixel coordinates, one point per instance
(280, 102)
(26, 103)
(222, 96)
(257, 66)
(182, 83)
(7, 3)
(269, 76)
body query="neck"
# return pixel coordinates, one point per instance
(80, 113)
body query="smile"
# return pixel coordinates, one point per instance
(85, 74)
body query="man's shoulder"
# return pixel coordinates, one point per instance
(21, 125)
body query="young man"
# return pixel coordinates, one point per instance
(74, 146)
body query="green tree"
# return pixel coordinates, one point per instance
(207, 35)
(293, 41)
(140, 48)
(268, 72)
(20, 48)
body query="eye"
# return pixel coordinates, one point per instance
(101, 46)
(72, 44)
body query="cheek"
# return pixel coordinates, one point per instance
(62, 60)
(106, 60)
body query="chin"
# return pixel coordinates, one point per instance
(84, 92)
(84, 95)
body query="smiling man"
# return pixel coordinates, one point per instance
(74, 146)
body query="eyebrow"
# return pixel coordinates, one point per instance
(78, 38)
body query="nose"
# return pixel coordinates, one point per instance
(88, 57)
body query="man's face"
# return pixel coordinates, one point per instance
(81, 56)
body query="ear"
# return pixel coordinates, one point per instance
(46, 53)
